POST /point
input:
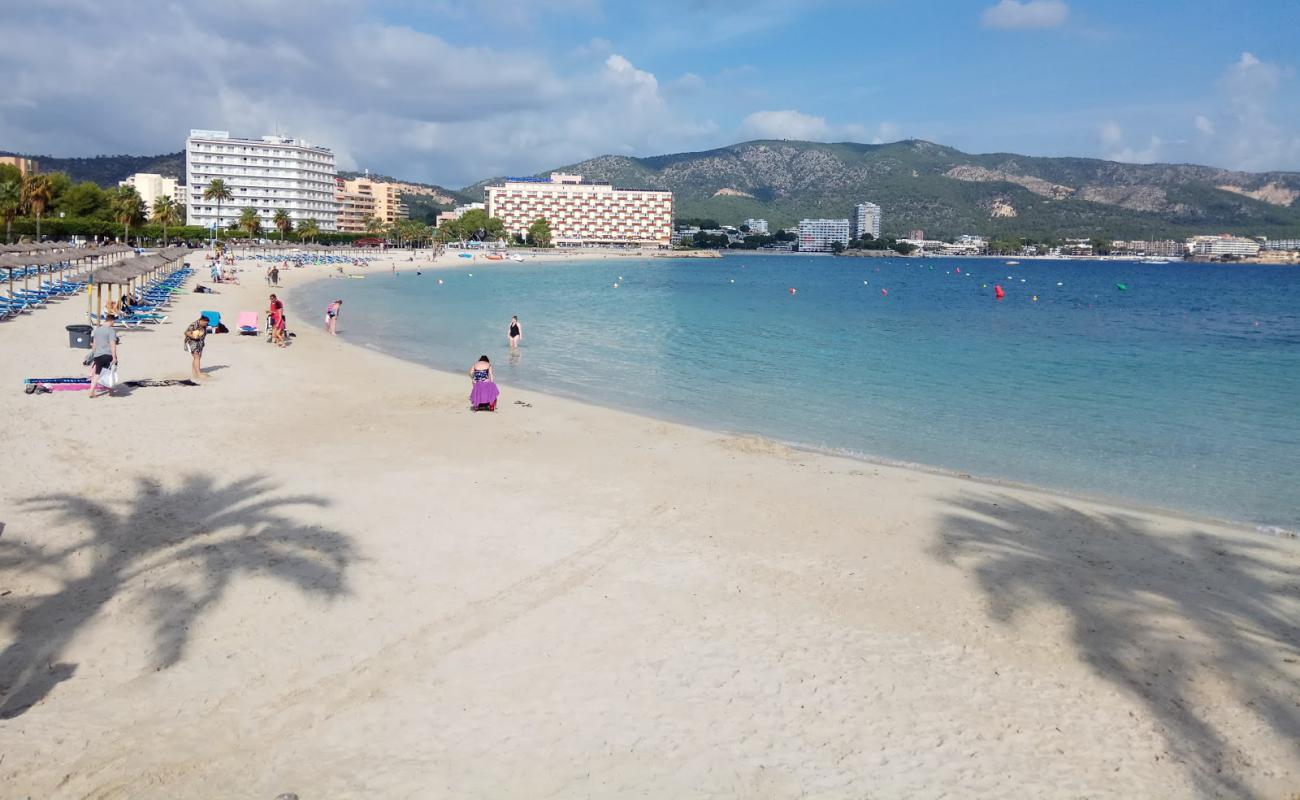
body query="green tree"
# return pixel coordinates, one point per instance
(11, 202)
(308, 229)
(84, 201)
(477, 225)
(36, 197)
(127, 208)
(217, 190)
(250, 221)
(164, 213)
(539, 233)
(837, 246)
(283, 222)
(374, 225)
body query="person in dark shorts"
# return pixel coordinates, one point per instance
(103, 354)
(195, 335)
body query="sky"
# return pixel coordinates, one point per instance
(452, 92)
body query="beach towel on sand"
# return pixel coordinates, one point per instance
(248, 322)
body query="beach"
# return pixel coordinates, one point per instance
(320, 573)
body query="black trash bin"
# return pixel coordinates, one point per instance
(79, 336)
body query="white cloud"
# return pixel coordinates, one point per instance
(402, 102)
(788, 124)
(1115, 148)
(1204, 125)
(1018, 15)
(1252, 139)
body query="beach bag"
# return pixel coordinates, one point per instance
(108, 377)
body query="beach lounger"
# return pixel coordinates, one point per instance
(248, 323)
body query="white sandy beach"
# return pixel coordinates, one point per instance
(320, 573)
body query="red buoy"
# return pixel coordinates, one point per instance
(885, 292)
(997, 291)
(793, 290)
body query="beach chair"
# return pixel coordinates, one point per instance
(248, 323)
(214, 319)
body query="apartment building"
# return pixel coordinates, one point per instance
(386, 197)
(264, 174)
(865, 219)
(150, 186)
(757, 226)
(355, 208)
(818, 235)
(458, 212)
(583, 213)
(26, 166)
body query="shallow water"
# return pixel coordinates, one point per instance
(1181, 391)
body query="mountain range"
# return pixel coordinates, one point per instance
(919, 185)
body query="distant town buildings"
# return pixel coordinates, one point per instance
(26, 166)
(756, 226)
(584, 213)
(150, 186)
(819, 235)
(1219, 246)
(1162, 248)
(917, 234)
(1282, 244)
(264, 174)
(865, 219)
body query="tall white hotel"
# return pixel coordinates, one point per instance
(264, 174)
(865, 219)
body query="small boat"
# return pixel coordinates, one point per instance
(466, 255)
(1013, 263)
(494, 257)
(516, 257)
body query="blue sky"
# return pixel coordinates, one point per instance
(452, 92)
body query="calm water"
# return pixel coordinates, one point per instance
(1182, 391)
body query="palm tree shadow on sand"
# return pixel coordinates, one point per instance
(1239, 600)
(181, 548)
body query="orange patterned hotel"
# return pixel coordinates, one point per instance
(582, 213)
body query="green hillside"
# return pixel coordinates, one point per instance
(947, 192)
(107, 171)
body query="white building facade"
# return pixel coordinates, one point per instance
(264, 174)
(150, 186)
(582, 213)
(757, 226)
(818, 235)
(1218, 246)
(865, 219)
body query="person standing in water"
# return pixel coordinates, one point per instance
(332, 316)
(516, 332)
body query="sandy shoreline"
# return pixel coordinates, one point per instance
(319, 573)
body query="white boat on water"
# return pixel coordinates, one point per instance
(516, 257)
(1013, 263)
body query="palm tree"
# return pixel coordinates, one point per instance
(37, 195)
(283, 221)
(164, 211)
(11, 202)
(308, 229)
(217, 190)
(374, 225)
(250, 221)
(127, 207)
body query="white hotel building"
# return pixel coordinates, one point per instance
(817, 235)
(582, 213)
(265, 174)
(865, 219)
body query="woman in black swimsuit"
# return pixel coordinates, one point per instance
(516, 332)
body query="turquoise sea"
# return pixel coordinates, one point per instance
(1180, 390)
